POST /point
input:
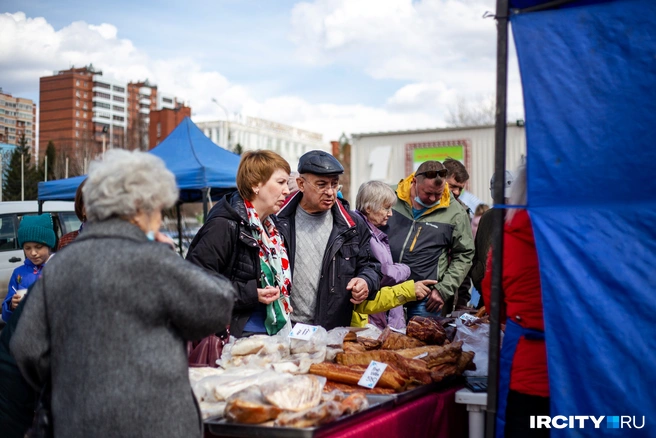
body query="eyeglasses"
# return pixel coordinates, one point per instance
(430, 174)
(323, 187)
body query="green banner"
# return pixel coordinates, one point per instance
(440, 154)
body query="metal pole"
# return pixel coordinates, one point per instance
(498, 216)
(206, 194)
(177, 211)
(104, 144)
(66, 170)
(22, 177)
(45, 172)
(229, 146)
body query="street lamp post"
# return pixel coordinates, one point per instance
(227, 122)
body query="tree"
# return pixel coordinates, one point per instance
(238, 149)
(465, 113)
(51, 153)
(12, 179)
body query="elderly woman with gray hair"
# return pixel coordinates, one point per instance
(105, 325)
(374, 204)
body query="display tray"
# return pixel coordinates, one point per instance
(220, 427)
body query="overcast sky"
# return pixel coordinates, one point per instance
(330, 66)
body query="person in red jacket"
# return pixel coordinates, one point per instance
(523, 377)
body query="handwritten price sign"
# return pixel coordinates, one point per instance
(372, 374)
(303, 331)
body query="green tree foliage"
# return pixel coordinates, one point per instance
(238, 149)
(11, 189)
(51, 153)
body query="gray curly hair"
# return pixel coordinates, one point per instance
(125, 182)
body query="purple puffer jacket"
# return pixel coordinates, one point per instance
(393, 273)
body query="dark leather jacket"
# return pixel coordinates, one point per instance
(347, 255)
(225, 244)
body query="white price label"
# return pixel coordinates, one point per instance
(372, 374)
(422, 355)
(466, 317)
(303, 331)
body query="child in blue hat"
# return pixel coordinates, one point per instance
(36, 236)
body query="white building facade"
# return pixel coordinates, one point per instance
(252, 133)
(391, 156)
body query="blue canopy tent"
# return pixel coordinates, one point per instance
(588, 72)
(198, 164)
(202, 169)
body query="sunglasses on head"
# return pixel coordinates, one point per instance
(430, 174)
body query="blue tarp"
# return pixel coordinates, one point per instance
(196, 162)
(589, 81)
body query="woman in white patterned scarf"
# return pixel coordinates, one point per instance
(240, 240)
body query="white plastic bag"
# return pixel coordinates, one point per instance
(475, 338)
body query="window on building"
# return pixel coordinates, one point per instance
(85, 105)
(77, 103)
(102, 85)
(85, 115)
(77, 123)
(77, 82)
(118, 108)
(118, 89)
(101, 105)
(77, 93)
(159, 129)
(103, 95)
(77, 133)
(119, 118)
(118, 99)
(85, 125)
(86, 84)
(77, 114)
(86, 94)
(167, 100)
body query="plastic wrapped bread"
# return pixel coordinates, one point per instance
(294, 393)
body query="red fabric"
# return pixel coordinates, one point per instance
(67, 239)
(434, 415)
(522, 303)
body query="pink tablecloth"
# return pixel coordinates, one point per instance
(433, 415)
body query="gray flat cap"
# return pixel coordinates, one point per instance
(319, 163)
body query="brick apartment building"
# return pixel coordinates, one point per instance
(17, 117)
(81, 111)
(163, 121)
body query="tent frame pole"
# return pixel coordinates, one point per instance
(177, 212)
(498, 215)
(206, 194)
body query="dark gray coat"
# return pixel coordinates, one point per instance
(106, 322)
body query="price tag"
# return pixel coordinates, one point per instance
(422, 355)
(372, 374)
(397, 330)
(303, 331)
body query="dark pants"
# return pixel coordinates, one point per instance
(518, 412)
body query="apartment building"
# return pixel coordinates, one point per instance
(83, 112)
(253, 133)
(17, 117)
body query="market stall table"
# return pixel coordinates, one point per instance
(435, 414)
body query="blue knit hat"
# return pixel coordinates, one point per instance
(37, 229)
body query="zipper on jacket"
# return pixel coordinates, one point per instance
(414, 241)
(332, 289)
(405, 242)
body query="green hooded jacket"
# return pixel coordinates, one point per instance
(437, 245)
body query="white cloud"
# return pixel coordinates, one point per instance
(441, 50)
(444, 49)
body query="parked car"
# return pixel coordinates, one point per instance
(11, 213)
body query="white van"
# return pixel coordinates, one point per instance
(11, 213)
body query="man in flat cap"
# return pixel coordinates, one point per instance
(430, 232)
(332, 265)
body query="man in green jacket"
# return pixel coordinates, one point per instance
(430, 232)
